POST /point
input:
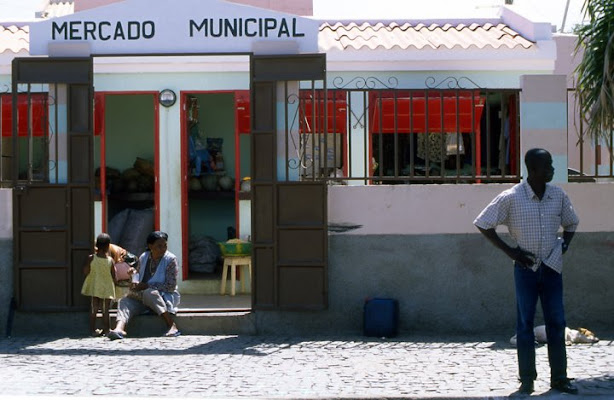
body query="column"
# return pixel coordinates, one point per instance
(543, 119)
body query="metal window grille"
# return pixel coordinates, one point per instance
(27, 155)
(393, 136)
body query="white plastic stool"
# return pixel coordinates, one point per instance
(233, 262)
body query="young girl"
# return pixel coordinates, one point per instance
(99, 283)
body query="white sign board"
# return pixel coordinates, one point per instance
(172, 27)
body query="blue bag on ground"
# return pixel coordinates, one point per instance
(381, 317)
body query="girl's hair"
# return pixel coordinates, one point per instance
(103, 240)
(155, 235)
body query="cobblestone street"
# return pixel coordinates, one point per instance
(286, 367)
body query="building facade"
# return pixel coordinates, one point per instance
(421, 124)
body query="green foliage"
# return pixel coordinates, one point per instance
(595, 73)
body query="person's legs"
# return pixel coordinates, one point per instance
(554, 316)
(170, 324)
(526, 302)
(154, 300)
(106, 321)
(127, 307)
(94, 306)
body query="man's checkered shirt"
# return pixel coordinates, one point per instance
(532, 223)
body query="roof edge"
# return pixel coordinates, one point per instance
(400, 21)
(533, 31)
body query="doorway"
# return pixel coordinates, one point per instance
(216, 200)
(125, 146)
(211, 203)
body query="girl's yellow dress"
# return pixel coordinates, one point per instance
(99, 282)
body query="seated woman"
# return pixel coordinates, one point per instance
(156, 289)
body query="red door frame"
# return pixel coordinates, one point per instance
(101, 96)
(184, 166)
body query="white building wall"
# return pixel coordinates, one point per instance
(447, 208)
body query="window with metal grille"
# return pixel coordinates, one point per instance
(31, 142)
(408, 136)
(38, 151)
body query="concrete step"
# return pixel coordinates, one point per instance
(76, 324)
(198, 315)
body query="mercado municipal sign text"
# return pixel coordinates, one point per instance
(249, 27)
(208, 28)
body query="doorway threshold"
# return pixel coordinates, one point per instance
(209, 304)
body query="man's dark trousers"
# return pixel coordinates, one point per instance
(546, 285)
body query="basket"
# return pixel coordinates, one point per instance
(236, 249)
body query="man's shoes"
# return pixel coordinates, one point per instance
(564, 386)
(526, 387)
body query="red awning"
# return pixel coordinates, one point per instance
(462, 111)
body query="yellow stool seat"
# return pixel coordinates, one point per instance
(233, 262)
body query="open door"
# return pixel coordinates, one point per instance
(289, 213)
(53, 180)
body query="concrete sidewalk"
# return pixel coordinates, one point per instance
(271, 367)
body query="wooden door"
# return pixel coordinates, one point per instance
(53, 218)
(289, 216)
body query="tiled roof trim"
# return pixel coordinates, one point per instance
(17, 38)
(352, 35)
(14, 38)
(341, 36)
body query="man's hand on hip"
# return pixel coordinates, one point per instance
(521, 256)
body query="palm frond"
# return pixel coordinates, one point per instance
(595, 72)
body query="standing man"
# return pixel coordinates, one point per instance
(534, 211)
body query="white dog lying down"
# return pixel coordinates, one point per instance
(581, 335)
